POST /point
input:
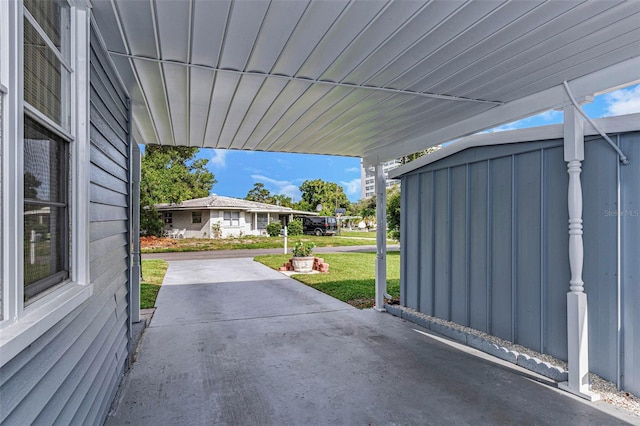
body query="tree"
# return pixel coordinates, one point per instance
(410, 157)
(170, 175)
(281, 200)
(31, 185)
(258, 193)
(393, 212)
(367, 207)
(329, 195)
(262, 195)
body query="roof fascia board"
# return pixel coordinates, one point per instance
(555, 97)
(616, 124)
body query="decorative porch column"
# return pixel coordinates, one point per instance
(381, 237)
(577, 313)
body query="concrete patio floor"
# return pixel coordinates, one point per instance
(233, 342)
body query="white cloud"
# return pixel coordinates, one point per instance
(283, 187)
(352, 187)
(352, 169)
(506, 127)
(291, 191)
(265, 179)
(219, 158)
(534, 120)
(550, 115)
(623, 101)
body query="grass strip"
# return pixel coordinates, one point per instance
(153, 272)
(351, 276)
(358, 234)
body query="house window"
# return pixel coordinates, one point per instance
(263, 221)
(46, 212)
(196, 217)
(231, 219)
(45, 205)
(46, 162)
(167, 218)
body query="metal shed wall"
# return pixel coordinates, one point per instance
(71, 373)
(485, 244)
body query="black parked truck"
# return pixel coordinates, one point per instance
(319, 225)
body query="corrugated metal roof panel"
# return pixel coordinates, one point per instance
(353, 77)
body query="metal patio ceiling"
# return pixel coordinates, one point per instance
(371, 79)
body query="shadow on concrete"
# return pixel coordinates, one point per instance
(239, 350)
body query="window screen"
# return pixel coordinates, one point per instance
(46, 215)
(262, 221)
(46, 78)
(231, 219)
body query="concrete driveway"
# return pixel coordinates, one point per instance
(233, 342)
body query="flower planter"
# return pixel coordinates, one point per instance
(302, 264)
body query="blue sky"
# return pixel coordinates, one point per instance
(237, 171)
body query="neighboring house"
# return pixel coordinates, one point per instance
(83, 82)
(235, 217)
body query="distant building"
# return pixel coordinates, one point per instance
(224, 216)
(368, 178)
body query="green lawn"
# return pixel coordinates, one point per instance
(351, 276)
(358, 234)
(152, 275)
(202, 244)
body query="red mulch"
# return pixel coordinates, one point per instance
(155, 242)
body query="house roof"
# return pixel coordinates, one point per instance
(617, 124)
(219, 202)
(373, 79)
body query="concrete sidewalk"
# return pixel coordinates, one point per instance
(233, 342)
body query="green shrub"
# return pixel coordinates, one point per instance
(273, 229)
(302, 249)
(295, 227)
(394, 234)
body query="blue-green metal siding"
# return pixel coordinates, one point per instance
(485, 244)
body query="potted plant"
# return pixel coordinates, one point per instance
(302, 260)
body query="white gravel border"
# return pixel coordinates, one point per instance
(545, 365)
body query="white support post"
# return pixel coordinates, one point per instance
(381, 238)
(136, 270)
(577, 313)
(284, 233)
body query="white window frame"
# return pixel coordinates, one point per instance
(229, 222)
(21, 325)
